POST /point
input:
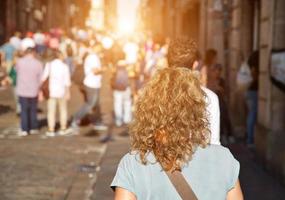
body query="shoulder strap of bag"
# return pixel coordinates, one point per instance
(182, 187)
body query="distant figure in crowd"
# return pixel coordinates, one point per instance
(69, 60)
(120, 84)
(15, 40)
(155, 61)
(252, 97)
(182, 53)
(92, 84)
(131, 50)
(7, 52)
(170, 135)
(28, 42)
(39, 39)
(59, 92)
(29, 72)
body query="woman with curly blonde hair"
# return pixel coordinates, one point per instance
(170, 133)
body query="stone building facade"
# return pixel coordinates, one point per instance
(260, 25)
(33, 15)
(201, 20)
(110, 12)
(235, 28)
(270, 132)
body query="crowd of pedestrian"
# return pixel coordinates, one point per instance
(175, 101)
(41, 63)
(43, 66)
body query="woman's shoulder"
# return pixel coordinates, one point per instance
(215, 150)
(133, 159)
(216, 156)
(130, 157)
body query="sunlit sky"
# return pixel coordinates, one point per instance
(127, 13)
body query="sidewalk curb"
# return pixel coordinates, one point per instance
(82, 179)
(115, 151)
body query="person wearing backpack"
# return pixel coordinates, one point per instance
(120, 84)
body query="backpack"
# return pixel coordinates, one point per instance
(78, 75)
(120, 81)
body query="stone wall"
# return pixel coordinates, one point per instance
(270, 132)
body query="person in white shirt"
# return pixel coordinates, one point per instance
(131, 52)
(59, 92)
(182, 53)
(92, 84)
(213, 110)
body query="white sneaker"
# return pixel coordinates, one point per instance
(118, 123)
(34, 131)
(74, 125)
(100, 127)
(23, 133)
(50, 133)
(65, 132)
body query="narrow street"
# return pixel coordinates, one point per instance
(86, 54)
(72, 167)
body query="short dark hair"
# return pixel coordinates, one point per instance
(30, 50)
(210, 55)
(182, 52)
(56, 54)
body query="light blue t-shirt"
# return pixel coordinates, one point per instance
(9, 51)
(211, 173)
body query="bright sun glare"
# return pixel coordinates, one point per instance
(126, 26)
(127, 15)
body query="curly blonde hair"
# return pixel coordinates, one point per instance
(170, 118)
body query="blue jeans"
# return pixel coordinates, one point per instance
(251, 100)
(92, 98)
(29, 119)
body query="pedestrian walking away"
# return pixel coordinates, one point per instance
(170, 135)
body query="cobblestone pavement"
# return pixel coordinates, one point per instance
(115, 152)
(255, 181)
(33, 168)
(40, 168)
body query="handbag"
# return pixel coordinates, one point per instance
(182, 187)
(45, 85)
